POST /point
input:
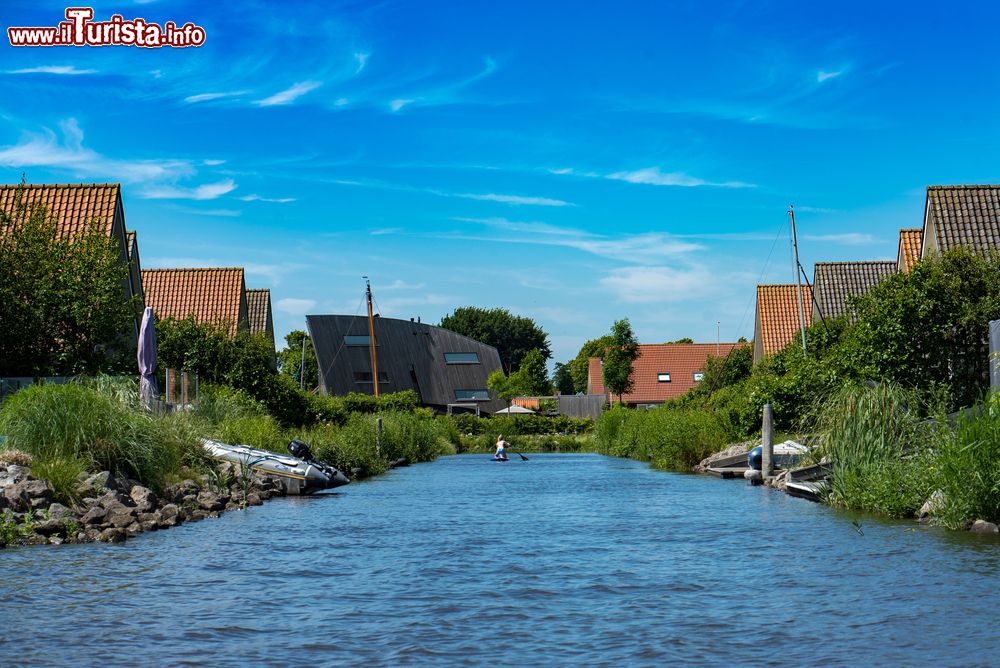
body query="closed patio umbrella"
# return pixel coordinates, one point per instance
(147, 359)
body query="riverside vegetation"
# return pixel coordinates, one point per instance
(83, 461)
(873, 396)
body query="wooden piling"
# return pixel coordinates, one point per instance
(767, 443)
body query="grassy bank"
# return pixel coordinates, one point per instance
(666, 437)
(99, 425)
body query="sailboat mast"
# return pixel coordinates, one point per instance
(798, 279)
(371, 335)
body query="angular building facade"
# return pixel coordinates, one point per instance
(442, 367)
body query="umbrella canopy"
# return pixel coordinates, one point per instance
(147, 359)
(513, 409)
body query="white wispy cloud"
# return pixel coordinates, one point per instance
(290, 94)
(46, 149)
(655, 177)
(293, 306)
(52, 69)
(212, 162)
(638, 285)
(822, 76)
(382, 231)
(258, 198)
(847, 238)
(514, 199)
(205, 191)
(402, 285)
(442, 94)
(362, 59)
(649, 248)
(396, 105)
(208, 97)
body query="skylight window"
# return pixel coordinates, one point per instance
(663, 377)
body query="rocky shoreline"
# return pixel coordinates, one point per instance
(112, 509)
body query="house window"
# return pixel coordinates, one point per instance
(698, 376)
(350, 340)
(663, 377)
(366, 377)
(461, 358)
(472, 395)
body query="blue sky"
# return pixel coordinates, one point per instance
(574, 162)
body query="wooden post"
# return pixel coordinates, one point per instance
(767, 443)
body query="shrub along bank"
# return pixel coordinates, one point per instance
(71, 431)
(913, 348)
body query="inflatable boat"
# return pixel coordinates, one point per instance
(299, 474)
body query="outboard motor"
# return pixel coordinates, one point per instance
(300, 450)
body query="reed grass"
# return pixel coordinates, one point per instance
(879, 446)
(968, 467)
(669, 438)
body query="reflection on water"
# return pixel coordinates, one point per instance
(565, 559)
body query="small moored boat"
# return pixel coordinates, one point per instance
(300, 474)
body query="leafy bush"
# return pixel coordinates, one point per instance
(217, 403)
(968, 467)
(666, 437)
(512, 425)
(257, 431)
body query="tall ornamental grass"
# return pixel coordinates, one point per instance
(69, 428)
(879, 446)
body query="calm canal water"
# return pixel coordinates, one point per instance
(566, 559)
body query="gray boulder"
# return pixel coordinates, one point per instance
(932, 505)
(28, 494)
(58, 511)
(210, 501)
(144, 498)
(982, 526)
(112, 535)
(94, 516)
(121, 517)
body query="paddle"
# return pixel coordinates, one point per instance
(519, 455)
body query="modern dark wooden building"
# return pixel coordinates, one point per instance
(442, 367)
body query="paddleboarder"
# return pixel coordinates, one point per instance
(501, 452)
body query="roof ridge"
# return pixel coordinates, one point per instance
(860, 262)
(61, 185)
(196, 269)
(965, 187)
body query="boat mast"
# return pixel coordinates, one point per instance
(798, 279)
(371, 335)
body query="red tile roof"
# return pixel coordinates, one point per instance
(778, 315)
(212, 295)
(680, 360)
(73, 205)
(910, 243)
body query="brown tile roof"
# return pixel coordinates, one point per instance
(213, 295)
(680, 360)
(74, 205)
(834, 282)
(259, 312)
(910, 243)
(778, 314)
(964, 216)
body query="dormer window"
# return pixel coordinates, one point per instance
(663, 377)
(699, 376)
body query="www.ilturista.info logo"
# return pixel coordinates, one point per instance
(79, 29)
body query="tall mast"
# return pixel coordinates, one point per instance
(798, 279)
(371, 335)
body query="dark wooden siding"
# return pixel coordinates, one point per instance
(410, 353)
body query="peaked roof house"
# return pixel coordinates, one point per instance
(134, 266)
(662, 371)
(910, 241)
(777, 318)
(259, 317)
(961, 216)
(74, 206)
(834, 282)
(212, 295)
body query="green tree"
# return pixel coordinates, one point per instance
(562, 378)
(686, 339)
(290, 359)
(501, 385)
(578, 366)
(621, 353)
(532, 379)
(513, 336)
(64, 305)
